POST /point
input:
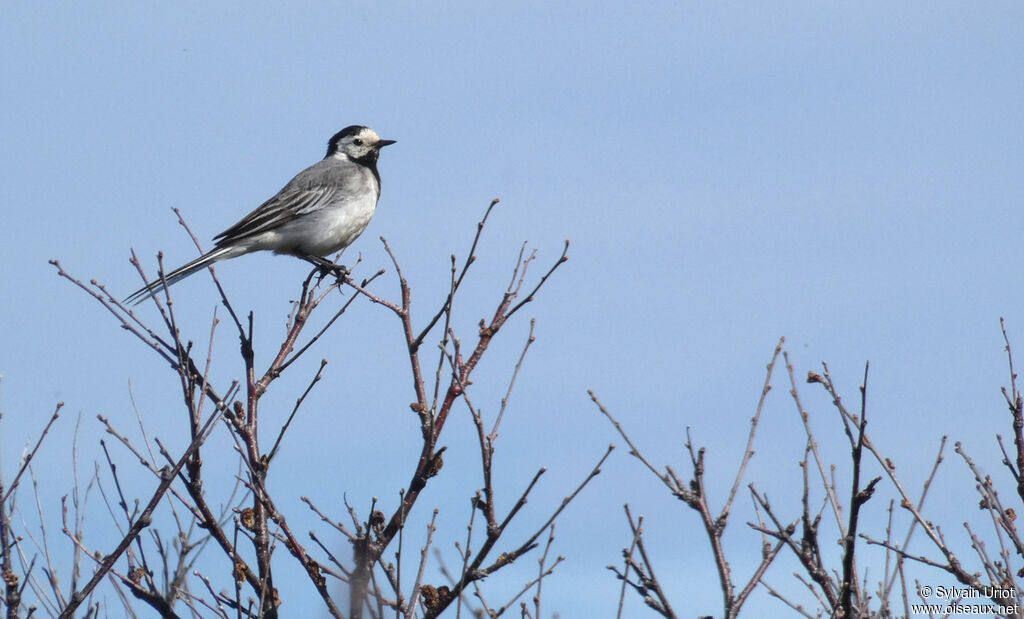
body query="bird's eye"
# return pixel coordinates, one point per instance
(357, 142)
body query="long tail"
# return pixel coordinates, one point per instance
(221, 253)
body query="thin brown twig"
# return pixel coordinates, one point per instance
(410, 610)
(143, 521)
(849, 593)
(295, 409)
(649, 579)
(530, 339)
(477, 571)
(830, 489)
(920, 506)
(27, 460)
(627, 555)
(797, 607)
(457, 282)
(748, 451)
(1015, 402)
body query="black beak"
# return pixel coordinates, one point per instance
(384, 143)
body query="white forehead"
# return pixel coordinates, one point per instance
(367, 135)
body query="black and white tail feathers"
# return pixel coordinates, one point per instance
(220, 253)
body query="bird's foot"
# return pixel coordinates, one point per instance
(338, 271)
(327, 268)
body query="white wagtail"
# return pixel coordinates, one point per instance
(320, 211)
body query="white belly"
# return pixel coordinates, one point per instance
(322, 232)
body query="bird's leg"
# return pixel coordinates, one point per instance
(327, 267)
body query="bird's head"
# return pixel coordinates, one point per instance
(357, 143)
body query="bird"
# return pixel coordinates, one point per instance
(319, 212)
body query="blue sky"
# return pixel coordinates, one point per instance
(844, 175)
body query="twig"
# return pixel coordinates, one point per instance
(295, 409)
(748, 451)
(143, 521)
(28, 459)
(470, 259)
(858, 498)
